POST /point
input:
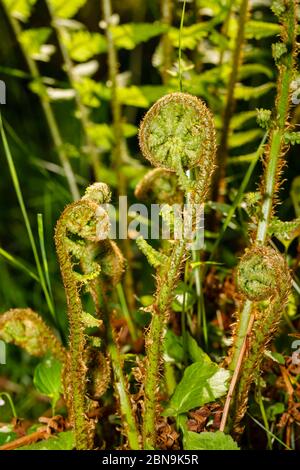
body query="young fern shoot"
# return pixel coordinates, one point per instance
(177, 134)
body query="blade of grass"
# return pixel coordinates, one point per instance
(43, 252)
(18, 264)
(20, 198)
(268, 432)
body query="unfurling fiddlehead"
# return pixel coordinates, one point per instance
(81, 223)
(262, 277)
(26, 329)
(177, 134)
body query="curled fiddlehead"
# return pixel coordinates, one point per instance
(177, 134)
(160, 186)
(81, 223)
(26, 329)
(262, 277)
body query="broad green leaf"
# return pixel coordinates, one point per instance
(173, 347)
(128, 36)
(245, 137)
(47, 378)
(33, 41)
(261, 29)
(62, 441)
(208, 441)
(83, 45)
(247, 93)
(202, 383)
(20, 9)
(65, 8)
(195, 352)
(101, 135)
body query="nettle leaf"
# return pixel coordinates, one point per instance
(261, 29)
(20, 9)
(202, 383)
(83, 45)
(245, 137)
(208, 441)
(62, 441)
(66, 9)
(129, 35)
(247, 93)
(33, 41)
(47, 378)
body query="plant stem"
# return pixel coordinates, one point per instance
(166, 7)
(222, 152)
(273, 157)
(49, 115)
(160, 309)
(91, 149)
(179, 50)
(119, 141)
(121, 385)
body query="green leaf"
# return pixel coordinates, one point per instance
(202, 383)
(132, 96)
(62, 441)
(47, 378)
(20, 9)
(208, 441)
(33, 41)
(82, 45)
(66, 9)
(245, 137)
(183, 294)
(190, 35)
(261, 29)
(173, 347)
(247, 93)
(274, 410)
(129, 35)
(248, 70)
(7, 434)
(195, 352)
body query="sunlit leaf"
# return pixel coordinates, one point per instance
(66, 9)
(208, 441)
(33, 41)
(202, 382)
(128, 36)
(261, 29)
(20, 9)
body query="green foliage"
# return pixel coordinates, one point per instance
(202, 383)
(63, 441)
(208, 441)
(47, 379)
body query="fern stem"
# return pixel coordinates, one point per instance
(49, 114)
(160, 308)
(119, 140)
(83, 112)
(166, 7)
(222, 152)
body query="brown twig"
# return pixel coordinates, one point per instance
(235, 375)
